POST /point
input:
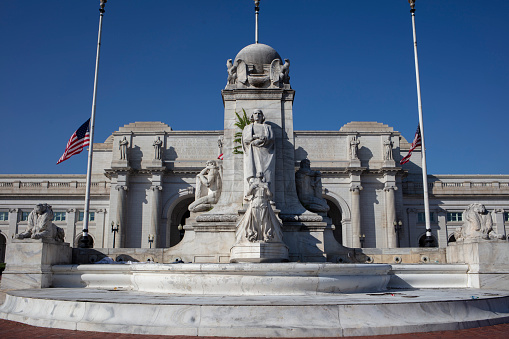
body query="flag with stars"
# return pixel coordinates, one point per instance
(77, 142)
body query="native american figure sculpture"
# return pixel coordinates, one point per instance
(478, 225)
(309, 188)
(40, 225)
(208, 188)
(259, 223)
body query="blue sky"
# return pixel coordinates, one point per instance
(165, 61)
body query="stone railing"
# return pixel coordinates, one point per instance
(442, 187)
(53, 186)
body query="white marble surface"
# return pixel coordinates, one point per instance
(327, 314)
(227, 279)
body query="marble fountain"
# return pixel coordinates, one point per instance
(269, 266)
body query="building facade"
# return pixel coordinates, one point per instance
(144, 177)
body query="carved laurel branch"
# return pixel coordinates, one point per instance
(217, 218)
(304, 218)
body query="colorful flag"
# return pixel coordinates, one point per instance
(415, 143)
(77, 142)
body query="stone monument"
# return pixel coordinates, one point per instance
(31, 254)
(309, 188)
(208, 188)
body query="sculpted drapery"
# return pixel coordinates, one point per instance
(259, 149)
(259, 223)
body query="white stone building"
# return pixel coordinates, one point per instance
(374, 202)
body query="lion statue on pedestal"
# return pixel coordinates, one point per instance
(478, 224)
(40, 225)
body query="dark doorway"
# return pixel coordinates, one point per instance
(335, 214)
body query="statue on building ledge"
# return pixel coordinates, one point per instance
(208, 188)
(40, 225)
(309, 188)
(123, 146)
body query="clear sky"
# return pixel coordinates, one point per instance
(166, 61)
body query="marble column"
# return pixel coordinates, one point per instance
(442, 227)
(99, 228)
(499, 222)
(154, 214)
(412, 228)
(356, 215)
(392, 241)
(70, 232)
(121, 219)
(13, 223)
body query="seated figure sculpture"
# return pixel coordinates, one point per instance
(208, 188)
(309, 188)
(478, 225)
(40, 225)
(259, 223)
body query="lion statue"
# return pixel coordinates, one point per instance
(40, 225)
(478, 224)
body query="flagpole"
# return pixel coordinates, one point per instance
(84, 240)
(257, 10)
(429, 238)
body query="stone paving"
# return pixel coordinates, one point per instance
(10, 329)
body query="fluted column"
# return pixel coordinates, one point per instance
(121, 219)
(356, 215)
(154, 216)
(392, 241)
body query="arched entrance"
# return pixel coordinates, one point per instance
(422, 241)
(77, 240)
(3, 244)
(178, 213)
(335, 214)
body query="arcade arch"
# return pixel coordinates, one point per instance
(3, 245)
(339, 212)
(176, 213)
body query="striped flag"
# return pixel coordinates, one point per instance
(77, 142)
(415, 143)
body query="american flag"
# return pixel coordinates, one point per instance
(415, 143)
(77, 142)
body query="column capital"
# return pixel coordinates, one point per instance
(411, 210)
(100, 210)
(498, 210)
(121, 187)
(71, 210)
(355, 188)
(13, 210)
(390, 187)
(156, 188)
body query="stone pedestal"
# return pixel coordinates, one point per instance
(29, 262)
(488, 262)
(259, 252)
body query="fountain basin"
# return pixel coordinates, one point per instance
(228, 279)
